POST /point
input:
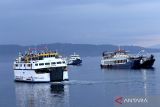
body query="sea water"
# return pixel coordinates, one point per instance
(89, 86)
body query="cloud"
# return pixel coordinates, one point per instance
(148, 40)
(84, 21)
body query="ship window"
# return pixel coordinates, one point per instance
(117, 61)
(63, 62)
(47, 63)
(58, 62)
(16, 65)
(41, 71)
(40, 64)
(20, 65)
(24, 65)
(28, 65)
(36, 64)
(53, 63)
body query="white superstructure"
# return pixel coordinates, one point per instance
(118, 59)
(40, 67)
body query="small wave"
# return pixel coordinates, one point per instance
(79, 82)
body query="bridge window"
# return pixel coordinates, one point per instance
(40, 64)
(58, 62)
(53, 63)
(36, 64)
(47, 63)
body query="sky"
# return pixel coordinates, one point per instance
(117, 22)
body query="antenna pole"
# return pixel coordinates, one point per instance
(119, 48)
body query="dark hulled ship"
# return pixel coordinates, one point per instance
(122, 60)
(147, 62)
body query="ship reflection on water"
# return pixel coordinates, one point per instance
(57, 88)
(42, 95)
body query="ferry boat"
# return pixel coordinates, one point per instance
(74, 59)
(119, 59)
(44, 66)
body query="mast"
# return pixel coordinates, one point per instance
(119, 48)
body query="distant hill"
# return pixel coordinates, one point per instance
(67, 49)
(156, 46)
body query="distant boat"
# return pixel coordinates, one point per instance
(74, 59)
(119, 59)
(45, 66)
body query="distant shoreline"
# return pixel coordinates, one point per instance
(66, 49)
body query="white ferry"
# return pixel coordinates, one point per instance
(119, 59)
(74, 59)
(46, 66)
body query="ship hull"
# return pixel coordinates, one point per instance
(136, 64)
(147, 64)
(127, 65)
(26, 75)
(133, 64)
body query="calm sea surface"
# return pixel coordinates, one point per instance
(89, 86)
